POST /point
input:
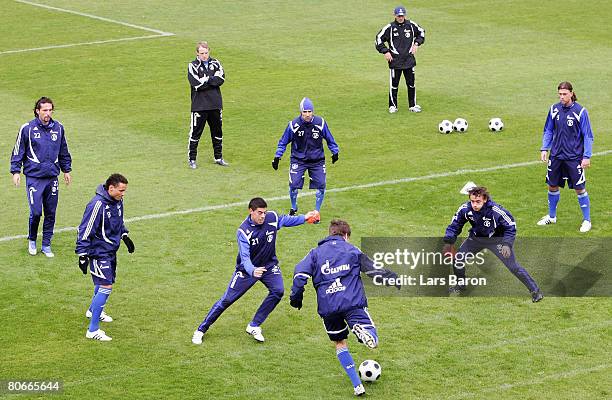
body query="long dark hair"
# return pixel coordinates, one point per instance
(568, 86)
(40, 102)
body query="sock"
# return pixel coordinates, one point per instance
(553, 200)
(459, 272)
(293, 193)
(585, 205)
(96, 287)
(319, 196)
(97, 305)
(346, 360)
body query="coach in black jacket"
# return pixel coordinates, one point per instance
(205, 75)
(399, 41)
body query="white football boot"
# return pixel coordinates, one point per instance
(415, 109)
(197, 337)
(32, 247)
(365, 336)
(46, 250)
(98, 335)
(585, 226)
(255, 331)
(547, 220)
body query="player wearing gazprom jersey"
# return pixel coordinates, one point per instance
(493, 228)
(569, 139)
(41, 149)
(256, 261)
(334, 267)
(306, 134)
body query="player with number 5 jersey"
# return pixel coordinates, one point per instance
(568, 138)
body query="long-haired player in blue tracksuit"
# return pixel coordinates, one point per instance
(256, 261)
(568, 137)
(42, 150)
(335, 266)
(493, 228)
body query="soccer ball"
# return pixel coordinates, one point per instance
(460, 125)
(369, 371)
(496, 125)
(445, 126)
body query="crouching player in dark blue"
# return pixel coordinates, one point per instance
(306, 133)
(493, 228)
(335, 267)
(98, 240)
(256, 261)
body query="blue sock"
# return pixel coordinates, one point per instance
(97, 305)
(553, 200)
(319, 196)
(348, 364)
(293, 193)
(96, 287)
(585, 205)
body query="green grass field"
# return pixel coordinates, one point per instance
(125, 106)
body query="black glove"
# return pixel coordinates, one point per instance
(295, 302)
(84, 264)
(128, 243)
(334, 158)
(275, 163)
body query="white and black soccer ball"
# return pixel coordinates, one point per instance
(445, 126)
(369, 371)
(496, 125)
(460, 125)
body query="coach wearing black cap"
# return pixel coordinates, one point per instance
(399, 42)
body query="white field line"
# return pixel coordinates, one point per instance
(312, 193)
(157, 32)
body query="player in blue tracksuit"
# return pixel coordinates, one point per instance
(42, 151)
(256, 261)
(98, 239)
(569, 139)
(335, 267)
(493, 228)
(306, 134)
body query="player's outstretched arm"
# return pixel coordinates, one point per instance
(294, 220)
(368, 268)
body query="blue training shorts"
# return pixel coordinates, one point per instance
(560, 171)
(338, 325)
(316, 172)
(103, 270)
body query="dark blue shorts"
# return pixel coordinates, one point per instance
(103, 270)
(339, 325)
(316, 172)
(560, 171)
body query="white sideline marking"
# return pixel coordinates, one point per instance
(157, 32)
(312, 193)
